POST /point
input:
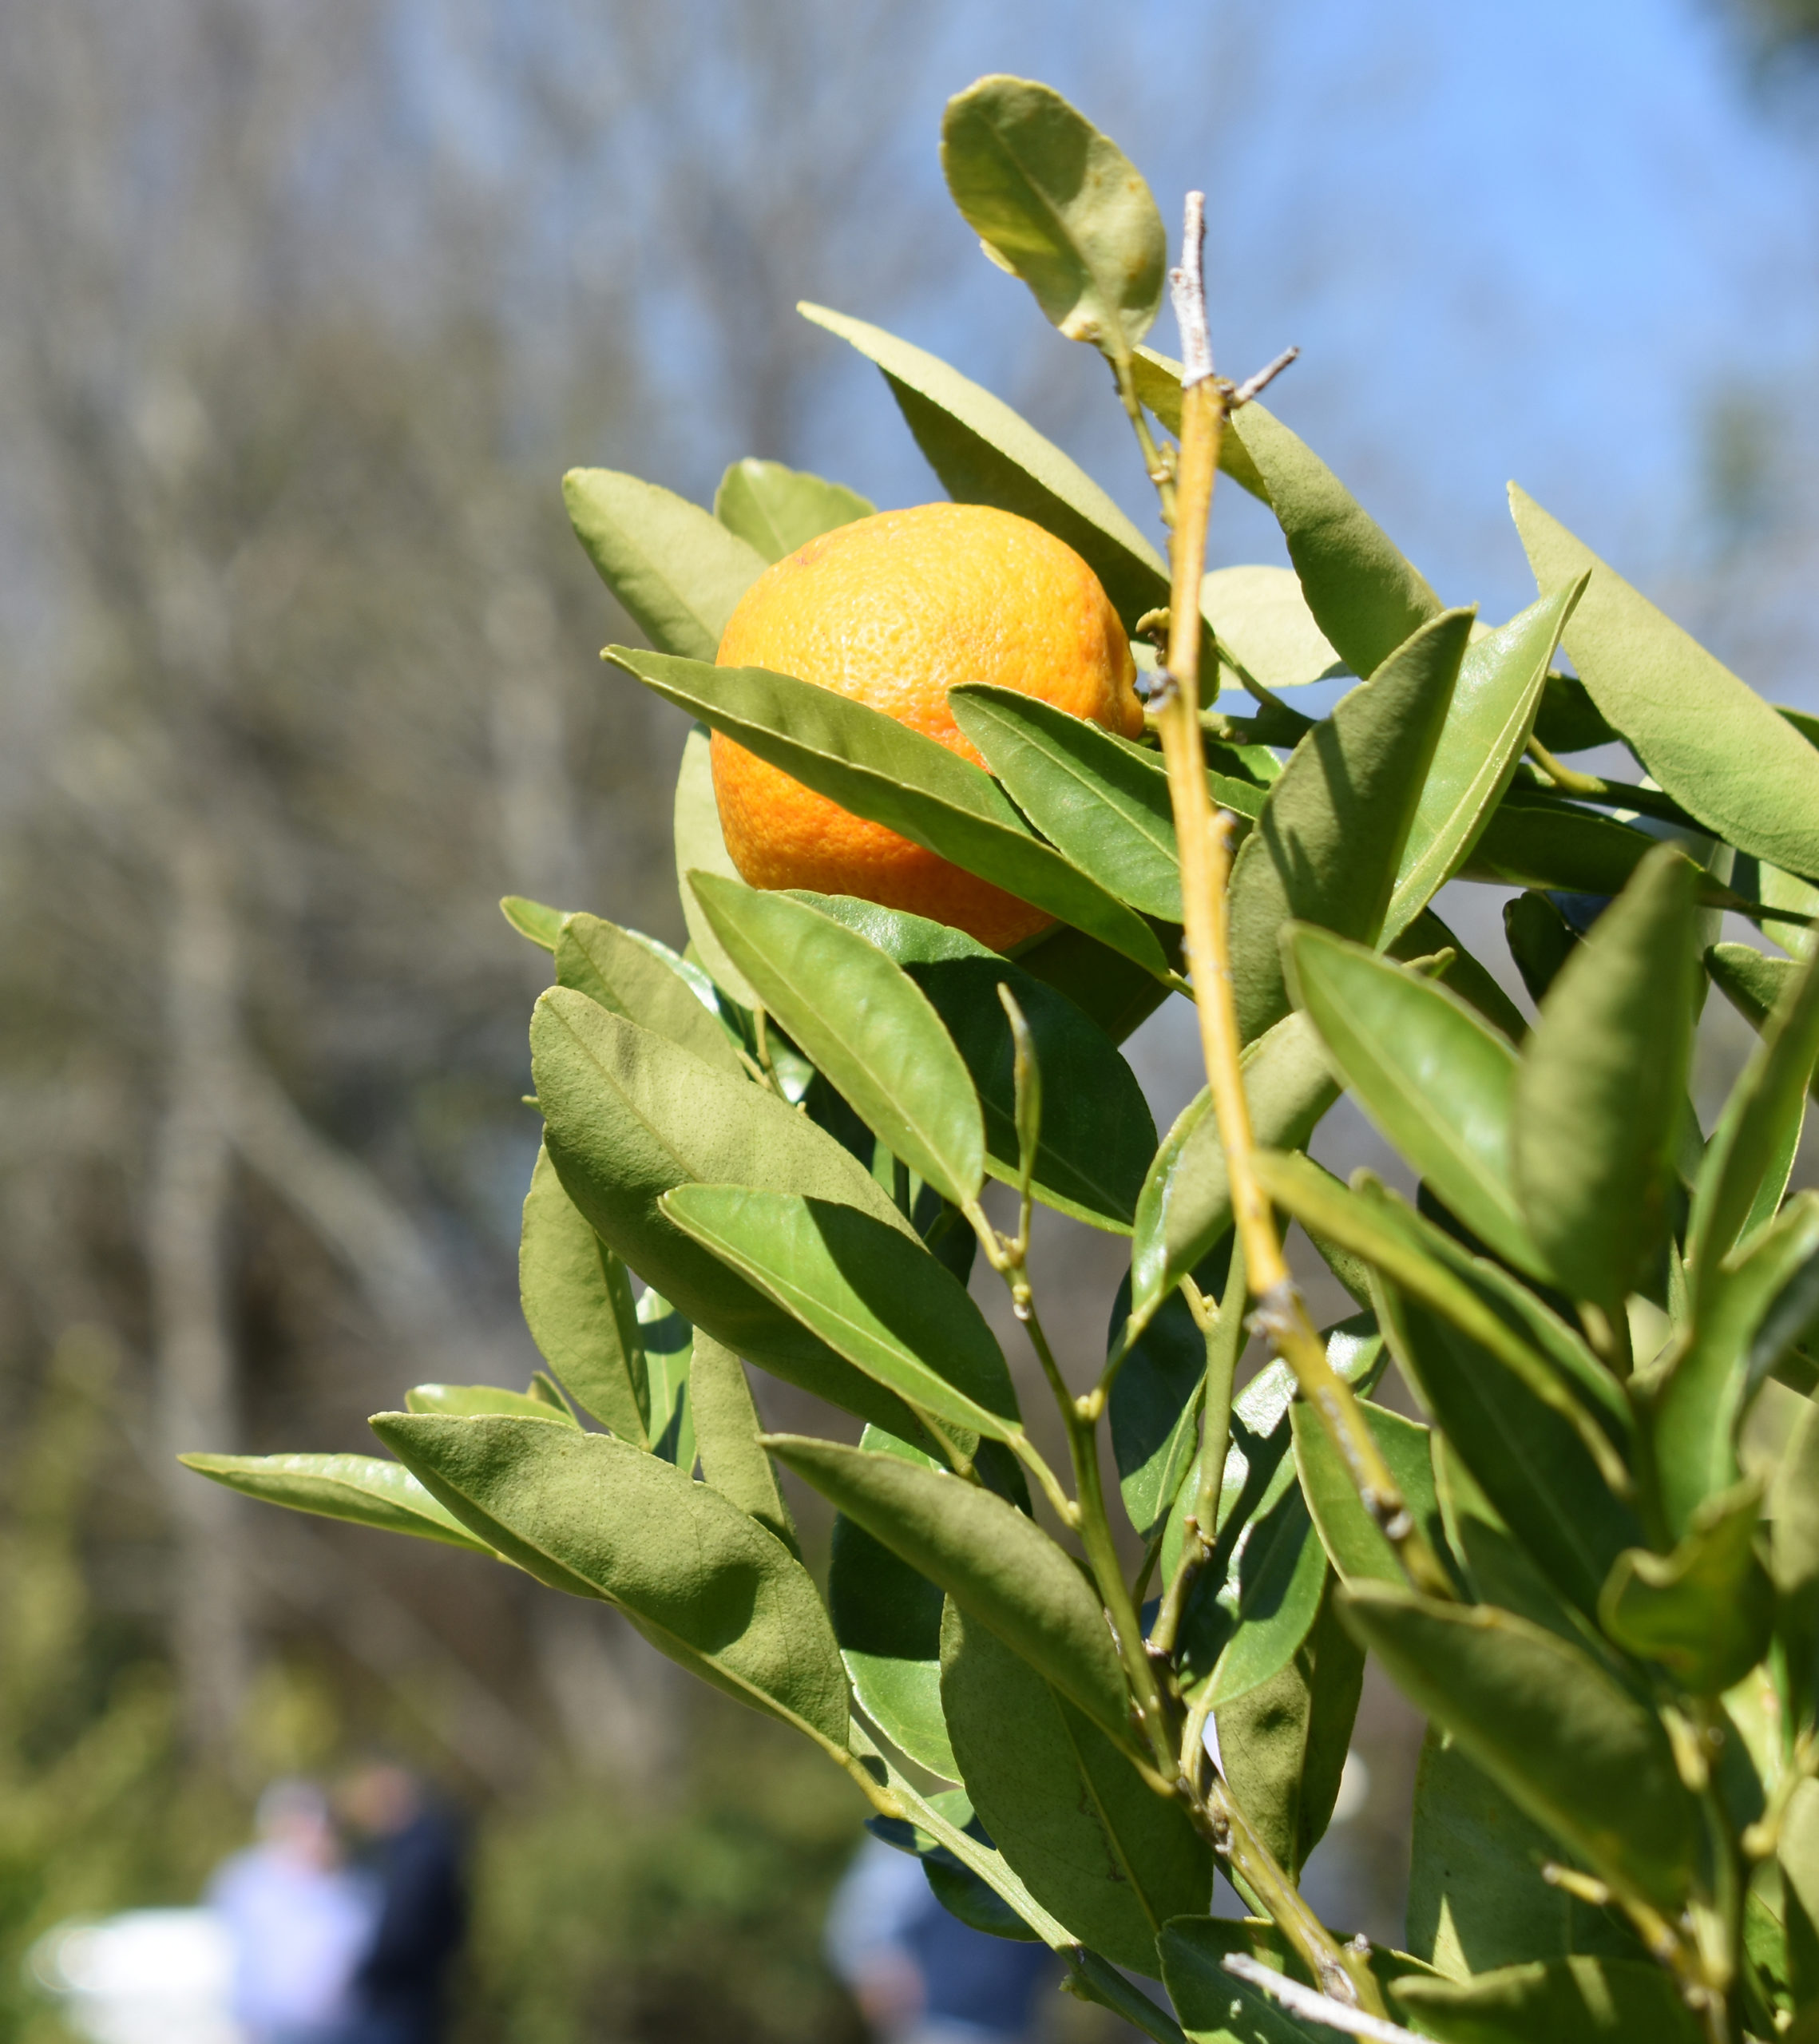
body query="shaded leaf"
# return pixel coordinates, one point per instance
(1059, 205)
(1722, 753)
(363, 1489)
(1533, 840)
(1113, 993)
(630, 975)
(1751, 982)
(997, 1566)
(1239, 1633)
(775, 510)
(1540, 941)
(1703, 1611)
(881, 770)
(1155, 1409)
(1264, 630)
(677, 571)
(1567, 2001)
(726, 1430)
(1793, 1556)
(1074, 1819)
(864, 1024)
(1329, 843)
(1797, 1855)
(1576, 1751)
(704, 1583)
(668, 1341)
(1215, 2006)
(1353, 1540)
(700, 847)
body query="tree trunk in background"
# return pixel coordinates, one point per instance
(192, 1171)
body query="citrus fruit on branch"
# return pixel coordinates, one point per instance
(892, 611)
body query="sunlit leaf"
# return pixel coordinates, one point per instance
(364, 1489)
(775, 510)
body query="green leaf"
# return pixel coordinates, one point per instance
(1535, 840)
(1703, 1611)
(629, 975)
(1354, 1541)
(1751, 1153)
(1798, 1856)
(1569, 719)
(887, 1618)
(1599, 1097)
(630, 1116)
(872, 1294)
(879, 769)
(997, 1566)
(1425, 938)
(1722, 752)
(703, 1583)
(1328, 846)
(1215, 2006)
(1566, 2001)
(1097, 1135)
(1540, 938)
(578, 1302)
(727, 1429)
(668, 1343)
(1570, 1746)
(1794, 1558)
(1060, 205)
(1078, 1825)
(700, 847)
(984, 452)
(1435, 1081)
(1365, 598)
(775, 510)
(1283, 1744)
(463, 1399)
(1186, 1202)
(1154, 1410)
(531, 919)
(1477, 1899)
(1751, 982)
(866, 1025)
(961, 1891)
(676, 570)
(363, 1489)
(1105, 804)
(1488, 725)
(1264, 630)
(1494, 1566)
(1111, 993)
(1239, 1633)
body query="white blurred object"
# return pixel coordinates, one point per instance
(1354, 1789)
(148, 1976)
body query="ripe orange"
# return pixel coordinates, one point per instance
(892, 611)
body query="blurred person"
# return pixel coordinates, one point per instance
(920, 1975)
(414, 1851)
(298, 1921)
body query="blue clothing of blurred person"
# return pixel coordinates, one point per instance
(919, 1975)
(298, 1921)
(400, 1988)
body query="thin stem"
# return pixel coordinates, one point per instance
(1225, 1343)
(1594, 787)
(1206, 858)
(1155, 463)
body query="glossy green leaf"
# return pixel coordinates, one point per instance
(1723, 754)
(463, 1399)
(1566, 2001)
(1763, 1302)
(1354, 1541)
(1283, 1744)
(703, 1582)
(363, 1489)
(1328, 846)
(997, 1566)
(1433, 1079)
(1186, 1203)
(1059, 204)
(1604, 1077)
(1239, 1633)
(1097, 1135)
(668, 1342)
(1215, 2006)
(727, 1430)
(1091, 1840)
(864, 1024)
(1477, 1899)
(629, 1116)
(701, 847)
(1703, 1611)
(1365, 598)
(1105, 805)
(1751, 1151)
(1569, 1745)
(879, 769)
(578, 1302)
(1264, 630)
(677, 571)
(542, 925)
(775, 509)
(874, 1295)
(887, 1618)
(629, 976)
(985, 454)
(1491, 714)
(1154, 1410)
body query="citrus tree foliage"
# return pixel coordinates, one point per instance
(769, 1152)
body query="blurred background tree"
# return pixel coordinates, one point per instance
(302, 313)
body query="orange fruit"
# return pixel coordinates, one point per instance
(892, 611)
